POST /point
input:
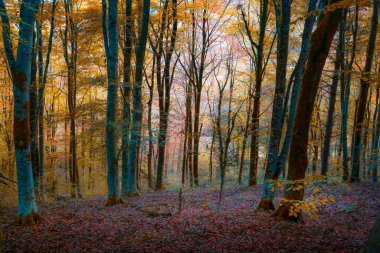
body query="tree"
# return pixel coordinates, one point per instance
(345, 90)
(70, 51)
(110, 33)
(21, 77)
(374, 237)
(283, 12)
(137, 99)
(164, 81)
(365, 81)
(257, 57)
(127, 85)
(225, 124)
(333, 92)
(375, 141)
(321, 40)
(37, 99)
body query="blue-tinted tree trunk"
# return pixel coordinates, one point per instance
(345, 86)
(373, 244)
(21, 75)
(137, 100)
(282, 26)
(110, 32)
(365, 82)
(308, 28)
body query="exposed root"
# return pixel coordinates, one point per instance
(31, 219)
(288, 212)
(266, 205)
(111, 201)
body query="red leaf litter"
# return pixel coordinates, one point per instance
(150, 223)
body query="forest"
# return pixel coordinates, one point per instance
(189, 126)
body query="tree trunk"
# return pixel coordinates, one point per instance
(127, 51)
(110, 32)
(282, 26)
(21, 75)
(375, 140)
(321, 40)
(137, 99)
(364, 86)
(373, 244)
(331, 108)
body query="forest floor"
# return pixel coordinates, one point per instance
(150, 223)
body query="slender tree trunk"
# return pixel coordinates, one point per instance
(364, 86)
(212, 152)
(375, 138)
(164, 97)
(345, 87)
(366, 135)
(34, 118)
(196, 135)
(245, 137)
(150, 148)
(331, 108)
(127, 51)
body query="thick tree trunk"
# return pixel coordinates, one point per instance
(137, 99)
(321, 40)
(307, 30)
(21, 75)
(110, 32)
(373, 244)
(283, 25)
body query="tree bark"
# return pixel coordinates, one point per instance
(137, 99)
(21, 75)
(364, 87)
(321, 40)
(110, 32)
